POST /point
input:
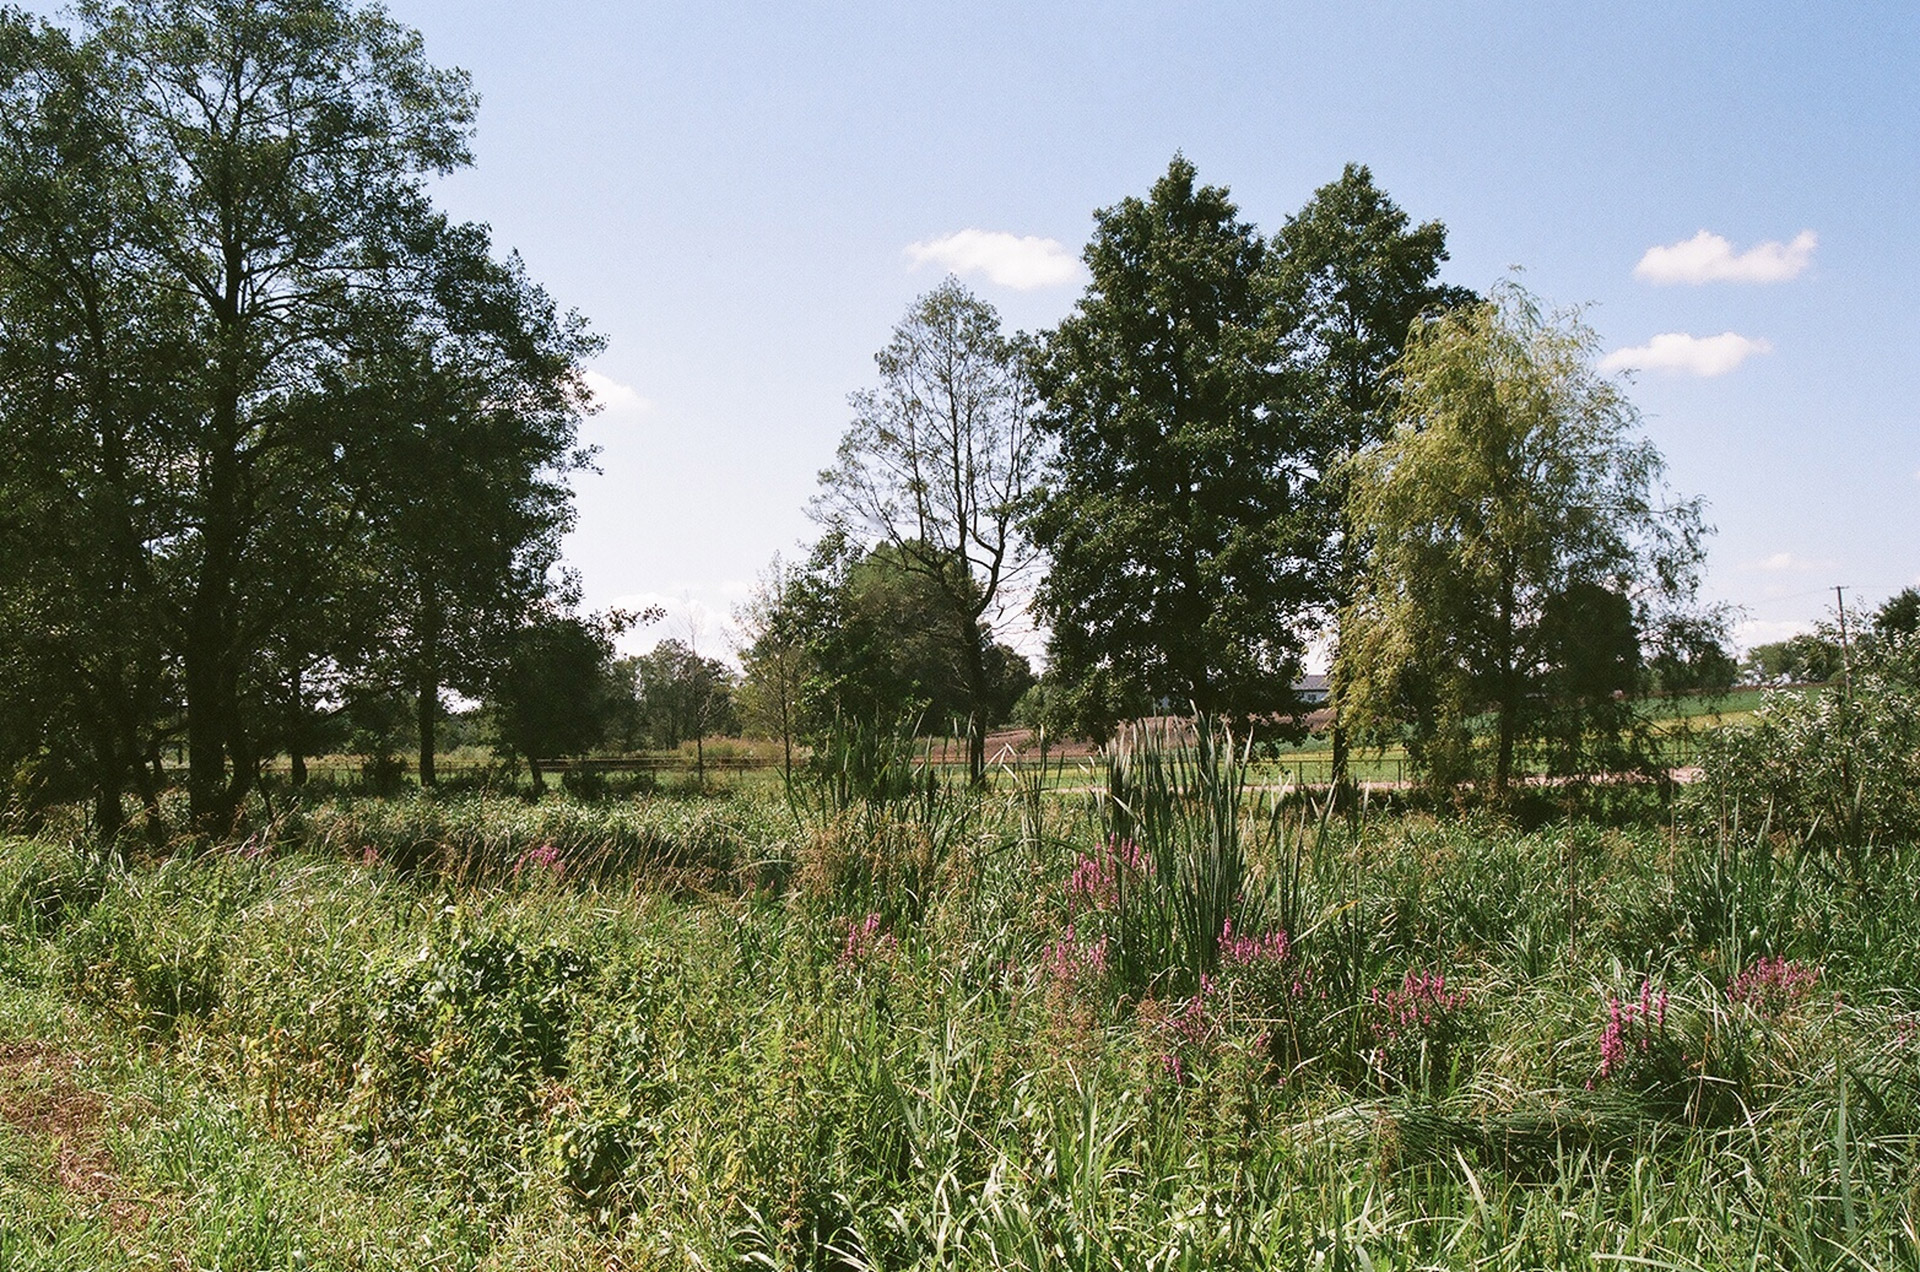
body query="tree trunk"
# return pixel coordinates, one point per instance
(109, 779)
(786, 730)
(296, 729)
(429, 680)
(206, 658)
(429, 713)
(977, 695)
(208, 655)
(1509, 705)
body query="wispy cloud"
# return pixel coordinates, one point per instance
(615, 398)
(1683, 354)
(1008, 260)
(1709, 258)
(1781, 561)
(704, 623)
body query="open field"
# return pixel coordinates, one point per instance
(754, 764)
(466, 1032)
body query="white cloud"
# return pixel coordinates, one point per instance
(1791, 562)
(616, 398)
(1688, 355)
(1708, 258)
(1008, 260)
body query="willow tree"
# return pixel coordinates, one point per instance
(1520, 540)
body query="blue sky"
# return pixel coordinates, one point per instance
(730, 194)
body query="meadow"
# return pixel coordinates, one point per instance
(1154, 1017)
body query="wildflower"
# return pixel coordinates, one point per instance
(1419, 1006)
(1096, 880)
(865, 941)
(1251, 951)
(1190, 1030)
(1631, 1026)
(1071, 961)
(1773, 986)
(546, 857)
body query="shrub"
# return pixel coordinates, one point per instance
(458, 1048)
(1830, 766)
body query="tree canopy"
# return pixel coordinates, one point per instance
(1174, 509)
(1520, 542)
(1353, 275)
(272, 422)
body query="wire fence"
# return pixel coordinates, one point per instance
(1673, 751)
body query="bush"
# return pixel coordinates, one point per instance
(1832, 767)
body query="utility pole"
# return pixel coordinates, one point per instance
(1846, 653)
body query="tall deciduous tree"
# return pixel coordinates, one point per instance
(276, 150)
(457, 417)
(271, 422)
(1519, 541)
(1175, 506)
(936, 466)
(87, 436)
(1354, 274)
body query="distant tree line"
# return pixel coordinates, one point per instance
(1234, 446)
(1820, 656)
(286, 461)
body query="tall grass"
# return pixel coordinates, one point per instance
(312, 1055)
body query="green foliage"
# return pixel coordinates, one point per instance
(556, 693)
(1173, 510)
(879, 823)
(1184, 810)
(44, 886)
(1898, 616)
(459, 1048)
(151, 954)
(677, 695)
(1519, 543)
(859, 635)
(1352, 276)
(1833, 766)
(273, 426)
(1805, 659)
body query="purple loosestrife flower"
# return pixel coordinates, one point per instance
(1773, 986)
(1096, 880)
(1632, 1028)
(1422, 1002)
(1071, 961)
(1252, 951)
(1191, 1030)
(866, 941)
(544, 858)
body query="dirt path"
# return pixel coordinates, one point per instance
(40, 1099)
